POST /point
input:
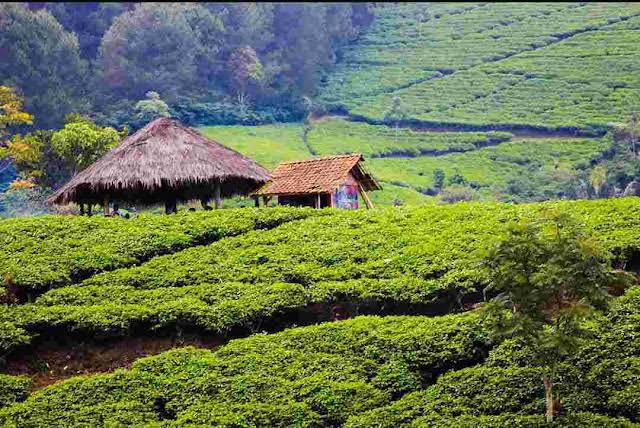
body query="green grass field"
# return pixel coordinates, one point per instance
(405, 161)
(268, 145)
(495, 166)
(551, 65)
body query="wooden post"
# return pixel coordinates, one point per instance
(365, 197)
(317, 200)
(216, 195)
(256, 201)
(105, 205)
(171, 206)
(81, 209)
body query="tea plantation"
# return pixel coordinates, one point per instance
(549, 65)
(275, 286)
(405, 160)
(547, 79)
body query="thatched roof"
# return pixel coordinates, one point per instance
(318, 175)
(161, 160)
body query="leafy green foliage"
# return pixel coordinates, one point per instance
(49, 251)
(599, 384)
(43, 60)
(551, 278)
(362, 258)
(522, 169)
(49, 158)
(539, 64)
(13, 388)
(151, 108)
(312, 376)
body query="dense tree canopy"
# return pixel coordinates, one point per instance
(255, 61)
(38, 56)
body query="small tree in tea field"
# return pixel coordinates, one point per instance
(396, 114)
(550, 277)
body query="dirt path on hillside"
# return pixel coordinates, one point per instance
(55, 357)
(49, 362)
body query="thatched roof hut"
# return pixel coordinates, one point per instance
(164, 161)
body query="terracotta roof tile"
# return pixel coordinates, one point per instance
(317, 175)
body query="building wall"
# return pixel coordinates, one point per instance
(346, 196)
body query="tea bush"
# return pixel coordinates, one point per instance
(311, 376)
(49, 251)
(548, 65)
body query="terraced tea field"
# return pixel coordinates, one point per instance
(547, 65)
(405, 160)
(406, 276)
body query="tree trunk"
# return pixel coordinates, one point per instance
(548, 398)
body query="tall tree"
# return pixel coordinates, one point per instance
(40, 57)
(245, 70)
(10, 114)
(48, 158)
(550, 277)
(158, 46)
(88, 21)
(396, 113)
(11, 110)
(151, 108)
(307, 36)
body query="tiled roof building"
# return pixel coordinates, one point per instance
(332, 181)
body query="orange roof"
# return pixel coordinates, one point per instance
(318, 175)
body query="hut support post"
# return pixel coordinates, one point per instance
(216, 195)
(171, 206)
(318, 200)
(81, 209)
(365, 197)
(256, 201)
(106, 206)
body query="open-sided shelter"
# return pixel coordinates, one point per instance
(164, 162)
(332, 181)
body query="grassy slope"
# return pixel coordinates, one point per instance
(492, 166)
(551, 65)
(405, 162)
(268, 145)
(544, 65)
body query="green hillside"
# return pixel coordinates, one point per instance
(495, 164)
(546, 72)
(413, 353)
(549, 65)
